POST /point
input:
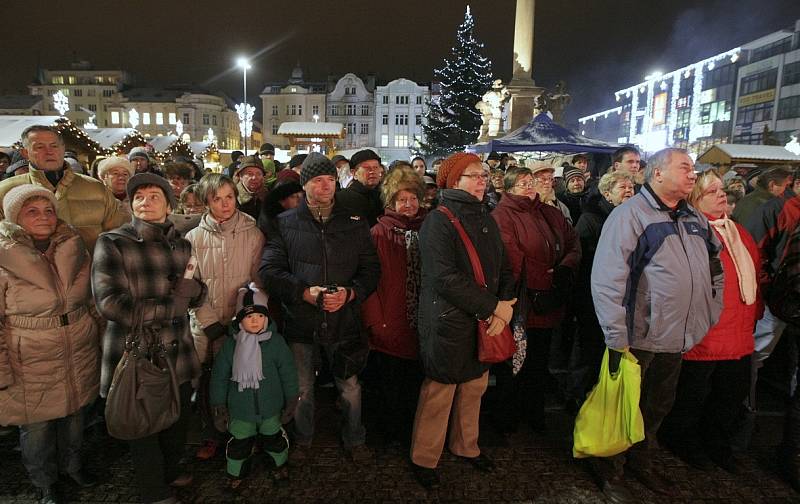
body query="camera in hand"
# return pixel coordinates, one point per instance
(330, 289)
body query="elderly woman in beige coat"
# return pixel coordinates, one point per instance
(49, 348)
(227, 244)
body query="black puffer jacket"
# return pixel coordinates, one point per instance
(451, 302)
(362, 201)
(574, 202)
(306, 253)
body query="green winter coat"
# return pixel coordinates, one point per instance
(278, 385)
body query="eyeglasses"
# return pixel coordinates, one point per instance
(544, 180)
(525, 185)
(476, 176)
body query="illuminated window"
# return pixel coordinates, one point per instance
(171, 118)
(660, 109)
(384, 140)
(146, 118)
(401, 140)
(159, 118)
(57, 79)
(114, 117)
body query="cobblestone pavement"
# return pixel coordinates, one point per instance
(531, 468)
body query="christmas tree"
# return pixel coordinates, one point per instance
(452, 122)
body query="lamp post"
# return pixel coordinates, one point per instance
(245, 66)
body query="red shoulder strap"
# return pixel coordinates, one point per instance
(474, 260)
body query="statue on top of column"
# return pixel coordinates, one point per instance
(491, 108)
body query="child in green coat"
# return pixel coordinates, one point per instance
(254, 388)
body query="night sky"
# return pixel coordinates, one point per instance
(596, 46)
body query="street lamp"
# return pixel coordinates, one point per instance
(245, 66)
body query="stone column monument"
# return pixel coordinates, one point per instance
(522, 86)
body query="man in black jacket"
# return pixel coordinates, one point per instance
(363, 195)
(321, 266)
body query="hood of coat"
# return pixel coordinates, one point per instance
(14, 233)
(19, 256)
(238, 223)
(393, 219)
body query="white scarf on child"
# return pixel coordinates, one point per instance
(247, 367)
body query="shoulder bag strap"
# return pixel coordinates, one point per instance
(474, 260)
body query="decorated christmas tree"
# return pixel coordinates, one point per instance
(452, 122)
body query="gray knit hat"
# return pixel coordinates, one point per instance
(145, 179)
(16, 198)
(315, 165)
(140, 152)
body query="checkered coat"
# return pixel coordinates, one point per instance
(134, 271)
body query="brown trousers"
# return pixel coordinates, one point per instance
(436, 400)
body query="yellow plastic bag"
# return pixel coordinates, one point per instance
(610, 420)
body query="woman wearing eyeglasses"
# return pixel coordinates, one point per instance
(451, 303)
(539, 241)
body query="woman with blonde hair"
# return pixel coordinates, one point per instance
(390, 313)
(715, 374)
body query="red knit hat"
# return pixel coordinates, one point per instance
(453, 167)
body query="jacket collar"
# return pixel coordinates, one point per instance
(682, 210)
(209, 223)
(38, 176)
(142, 230)
(400, 221)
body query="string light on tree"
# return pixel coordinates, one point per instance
(179, 128)
(452, 122)
(61, 102)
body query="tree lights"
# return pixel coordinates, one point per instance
(452, 122)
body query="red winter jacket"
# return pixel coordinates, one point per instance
(732, 337)
(384, 312)
(539, 234)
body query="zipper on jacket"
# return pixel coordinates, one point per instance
(73, 390)
(691, 290)
(255, 402)
(325, 269)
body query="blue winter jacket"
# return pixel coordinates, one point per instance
(652, 282)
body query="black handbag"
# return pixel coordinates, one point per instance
(143, 398)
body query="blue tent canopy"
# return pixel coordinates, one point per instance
(544, 135)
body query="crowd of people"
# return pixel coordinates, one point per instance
(263, 279)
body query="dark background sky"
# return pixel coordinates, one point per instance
(596, 46)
